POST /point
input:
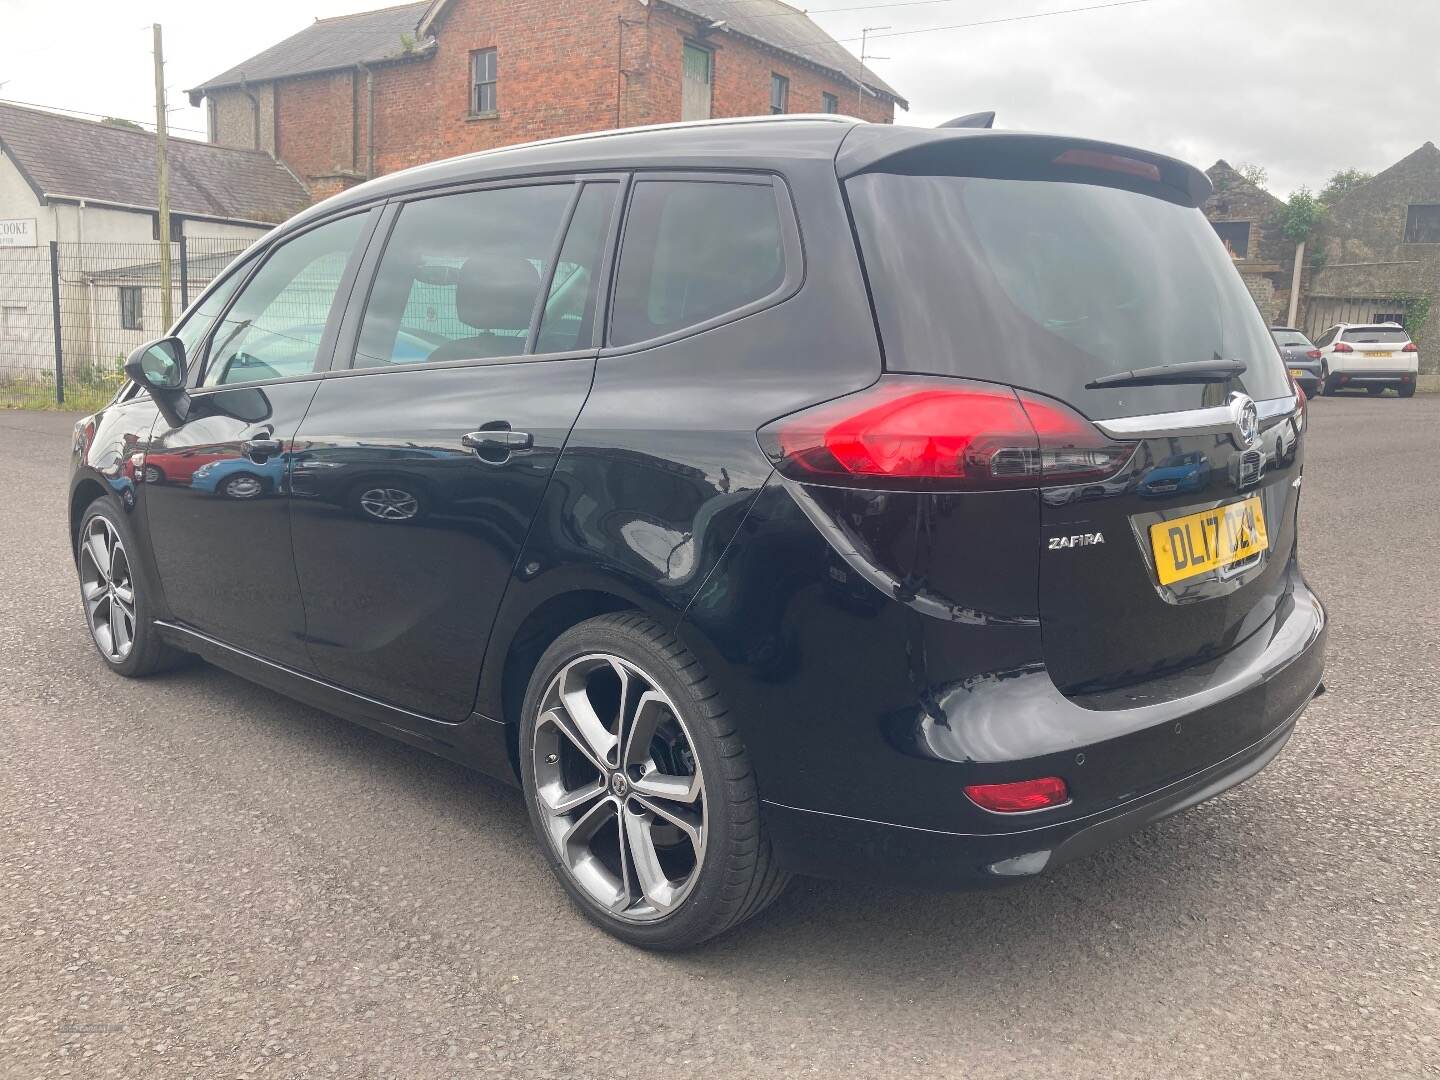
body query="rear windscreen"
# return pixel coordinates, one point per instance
(1283, 338)
(1375, 335)
(1049, 285)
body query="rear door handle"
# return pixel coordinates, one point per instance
(496, 444)
(262, 448)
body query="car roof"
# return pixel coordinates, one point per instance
(739, 143)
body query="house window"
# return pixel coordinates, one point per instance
(829, 103)
(695, 86)
(1422, 225)
(132, 307)
(484, 67)
(779, 93)
(1235, 235)
(1389, 316)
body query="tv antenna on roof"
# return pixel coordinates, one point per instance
(865, 55)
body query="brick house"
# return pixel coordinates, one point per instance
(1378, 254)
(356, 96)
(1247, 219)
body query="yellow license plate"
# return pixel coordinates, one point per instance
(1198, 543)
(1298, 373)
(1377, 356)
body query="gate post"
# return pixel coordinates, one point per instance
(55, 318)
(184, 279)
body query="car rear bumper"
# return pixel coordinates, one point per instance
(830, 845)
(1291, 662)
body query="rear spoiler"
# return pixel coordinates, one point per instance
(1018, 155)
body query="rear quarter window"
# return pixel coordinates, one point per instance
(695, 251)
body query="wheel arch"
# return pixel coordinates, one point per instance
(86, 490)
(539, 629)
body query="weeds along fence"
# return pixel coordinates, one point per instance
(70, 314)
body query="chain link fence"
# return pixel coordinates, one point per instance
(70, 314)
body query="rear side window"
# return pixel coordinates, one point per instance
(1049, 285)
(461, 276)
(695, 251)
(1376, 335)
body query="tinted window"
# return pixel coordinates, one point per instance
(274, 328)
(1049, 285)
(1290, 337)
(461, 276)
(1325, 338)
(569, 319)
(694, 251)
(1390, 335)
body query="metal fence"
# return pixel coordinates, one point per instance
(70, 314)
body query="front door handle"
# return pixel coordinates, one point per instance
(262, 448)
(496, 444)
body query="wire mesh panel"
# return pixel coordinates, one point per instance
(27, 327)
(108, 298)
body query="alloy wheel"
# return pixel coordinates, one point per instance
(389, 504)
(619, 788)
(108, 589)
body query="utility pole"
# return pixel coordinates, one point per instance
(865, 55)
(162, 180)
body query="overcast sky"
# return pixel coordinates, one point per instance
(1302, 87)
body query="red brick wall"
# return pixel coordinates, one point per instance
(741, 75)
(558, 75)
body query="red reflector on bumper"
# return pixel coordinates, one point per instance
(1021, 796)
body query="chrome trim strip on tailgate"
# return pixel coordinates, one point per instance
(1216, 420)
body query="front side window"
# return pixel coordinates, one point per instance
(1422, 225)
(276, 325)
(693, 251)
(461, 276)
(197, 323)
(779, 93)
(484, 78)
(132, 307)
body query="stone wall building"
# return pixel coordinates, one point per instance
(1377, 257)
(1247, 219)
(360, 95)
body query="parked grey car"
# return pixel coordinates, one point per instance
(1302, 358)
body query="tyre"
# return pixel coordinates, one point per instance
(639, 789)
(1406, 390)
(1327, 386)
(117, 596)
(153, 475)
(242, 486)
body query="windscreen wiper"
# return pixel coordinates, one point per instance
(1200, 371)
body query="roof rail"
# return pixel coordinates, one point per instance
(972, 120)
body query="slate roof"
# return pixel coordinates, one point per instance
(375, 36)
(782, 27)
(328, 45)
(65, 158)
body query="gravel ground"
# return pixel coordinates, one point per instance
(201, 878)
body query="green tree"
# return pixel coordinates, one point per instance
(1301, 215)
(1256, 174)
(121, 122)
(1341, 184)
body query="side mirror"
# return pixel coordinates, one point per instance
(159, 365)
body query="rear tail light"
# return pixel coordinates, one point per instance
(1340, 346)
(1314, 354)
(1021, 797)
(916, 433)
(1410, 346)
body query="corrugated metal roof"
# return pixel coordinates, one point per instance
(64, 157)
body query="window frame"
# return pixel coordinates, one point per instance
(135, 293)
(324, 357)
(780, 83)
(825, 99)
(476, 83)
(1249, 230)
(353, 320)
(790, 235)
(1412, 218)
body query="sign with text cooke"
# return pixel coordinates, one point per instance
(17, 232)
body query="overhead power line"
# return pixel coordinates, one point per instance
(147, 125)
